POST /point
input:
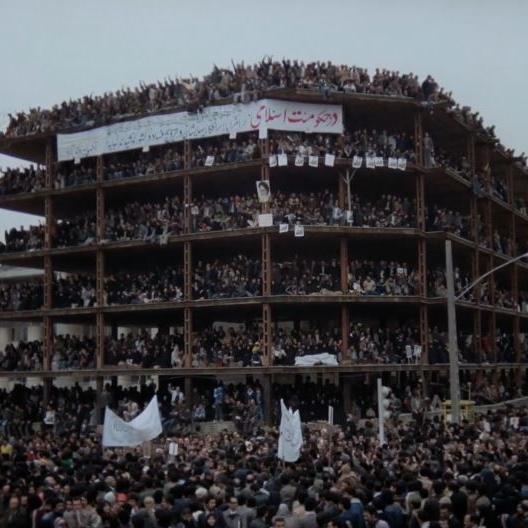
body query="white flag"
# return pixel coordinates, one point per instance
(146, 426)
(290, 437)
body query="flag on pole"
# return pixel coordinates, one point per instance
(290, 435)
(146, 426)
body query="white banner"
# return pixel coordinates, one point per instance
(324, 358)
(146, 426)
(212, 121)
(290, 435)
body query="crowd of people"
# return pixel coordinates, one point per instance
(74, 291)
(368, 277)
(144, 350)
(426, 474)
(22, 239)
(22, 180)
(241, 83)
(238, 276)
(360, 143)
(68, 352)
(25, 295)
(161, 284)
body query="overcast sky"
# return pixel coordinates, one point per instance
(60, 49)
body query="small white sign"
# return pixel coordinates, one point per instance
(173, 449)
(393, 163)
(370, 162)
(402, 164)
(263, 133)
(209, 161)
(145, 148)
(313, 161)
(378, 161)
(273, 160)
(283, 160)
(357, 161)
(299, 231)
(232, 135)
(77, 161)
(265, 220)
(329, 160)
(283, 228)
(299, 160)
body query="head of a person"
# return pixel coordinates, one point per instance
(210, 520)
(370, 514)
(233, 504)
(149, 503)
(14, 503)
(77, 504)
(279, 522)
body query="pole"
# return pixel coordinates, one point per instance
(381, 425)
(454, 378)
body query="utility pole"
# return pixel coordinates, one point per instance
(454, 378)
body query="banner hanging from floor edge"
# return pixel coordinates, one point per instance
(263, 115)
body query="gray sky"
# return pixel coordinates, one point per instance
(60, 49)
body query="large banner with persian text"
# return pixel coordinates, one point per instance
(261, 116)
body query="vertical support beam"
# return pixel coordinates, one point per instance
(491, 281)
(100, 343)
(266, 398)
(342, 191)
(49, 228)
(267, 358)
(266, 246)
(474, 219)
(422, 267)
(187, 204)
(50, 165)
(48, 283)
(343, 264)
(516, 330)
(493, 336)
(424, 333)
(46, 390)
(99, 169)
(266, 264)
(100, 214)
(187, 337)
(470, 152)
(187, 271)
(345, 329)
(418, 138)
(187, 154)
(48, 343)
(454, 374)
(420, 202)
(188, 391)
(510, 182)
(477, 335)
(99, 278)
(99, 383)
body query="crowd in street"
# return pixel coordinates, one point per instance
(427, 474)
